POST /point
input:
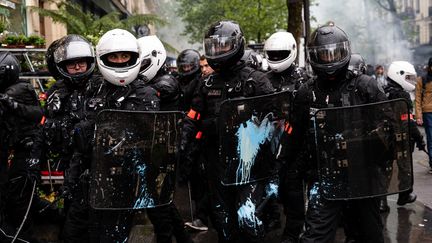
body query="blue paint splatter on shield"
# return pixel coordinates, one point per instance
(144, 199)
(250, 137)
(272, 189)
(246, 215)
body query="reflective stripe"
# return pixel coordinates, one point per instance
(288, 128)
(404, 117)
(193, 115)
(198, 135)
(43, 120)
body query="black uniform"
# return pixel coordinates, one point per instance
(323, 215)
(395, 91)
(240, 81)
(166, 220)
(290, 175)
(289, 79)
(103, 226)
(168, 89)
(20, 154)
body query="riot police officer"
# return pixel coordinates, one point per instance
(401, 77)
(154, 72)
(329, 54)
(166, 220)
(71, 61)
(280, 50)
(20, 152)
(224, 46)
(189, 74)
(118, 59)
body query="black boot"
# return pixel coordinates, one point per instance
(405, 198)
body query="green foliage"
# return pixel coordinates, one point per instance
(10, 40)
(91, 26)
(22, 39)
(258, 18)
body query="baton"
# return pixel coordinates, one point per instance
(190, 201)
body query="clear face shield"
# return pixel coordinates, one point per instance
(331, 53)
(220, 46)
(277, 56)
(73, 50)
(411, 78)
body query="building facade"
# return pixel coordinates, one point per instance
(23, 20)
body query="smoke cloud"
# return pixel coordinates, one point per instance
(171, 33)
(374, 32)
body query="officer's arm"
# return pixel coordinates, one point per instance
(23, 102)
(262, 83)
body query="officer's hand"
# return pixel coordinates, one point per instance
(7, 101)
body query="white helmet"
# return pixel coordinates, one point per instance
(280, 51)
(118, 40)
(153, 55)
(404, 74)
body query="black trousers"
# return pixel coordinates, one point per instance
(200, 191)
(322, 218)
(292, 198)
(84, 224)
(16, 193)
(167, 223)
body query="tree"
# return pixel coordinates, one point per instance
(295, 21)
(258, 18)
(91, 26)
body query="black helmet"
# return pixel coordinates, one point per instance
(224, 44)
(357, 64)
(188, 63)
(72, 48)
(49, 57)
(9, 69)
(329, 51)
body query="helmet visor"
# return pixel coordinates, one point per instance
(145, 64)
(330, 53)
(411, 78)
(187, 67)
(277, 56)
(73, 50)
(220, 46)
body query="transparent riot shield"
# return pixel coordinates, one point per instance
(250, 132)
(364, 151)
(134, 158)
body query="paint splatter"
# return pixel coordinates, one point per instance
(251, 135)
(144, 199)
(246, 215)
(272, 189)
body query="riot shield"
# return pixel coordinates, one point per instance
(364, 151)
(250, 130)
(134, 158)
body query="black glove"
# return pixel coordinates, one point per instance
(7, 101)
